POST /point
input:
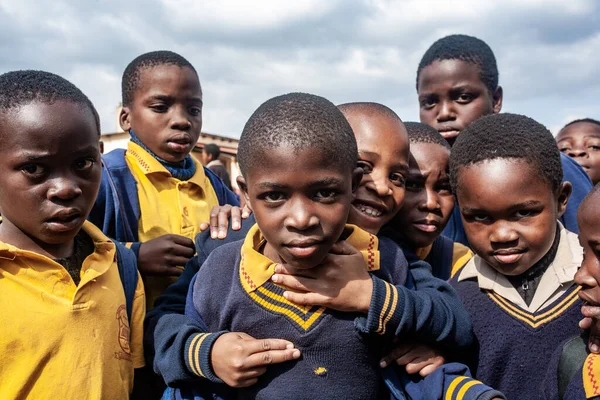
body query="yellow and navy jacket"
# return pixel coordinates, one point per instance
(340, 351)
(62, 341)
(515, 341)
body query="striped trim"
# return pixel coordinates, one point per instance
(270, 297)
(194, 354)
(453, 386)
(591, 373)
(389, 307)
(536, 320)
(463, 384)
(463, 390)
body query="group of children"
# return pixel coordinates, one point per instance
(381, 259)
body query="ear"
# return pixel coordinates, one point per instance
(357, 175)
(241, 181)
(564, 192)
(497, 100)
(124, 119)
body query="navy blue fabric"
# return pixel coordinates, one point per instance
(572, 172)
(440, 257)
(128, 272)
(117, 207)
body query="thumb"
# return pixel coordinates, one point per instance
(343, 248)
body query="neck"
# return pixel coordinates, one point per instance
(12, 235)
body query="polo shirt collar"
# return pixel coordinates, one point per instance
(256, 269)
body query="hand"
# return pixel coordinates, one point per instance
(592, 322)
(219, 220)
(417, 358)
(238, 359)
(162, 256)
(341, 282)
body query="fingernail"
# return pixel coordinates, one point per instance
(296, 354)
(278, 268)
(213, 234)
(275, 278)
(289, 346)
(236, 225)
(594, 348)
(382, 364)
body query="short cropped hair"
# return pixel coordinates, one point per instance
(582, 120)
(507, 136)
(132, 73)
(299, 121)
(423, 133)
(19, 88)
(369, 108)
(464, 48)
(213, 150)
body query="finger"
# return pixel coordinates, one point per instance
(223, 221)
(395, 354)
(416, 365)
(585, 323)
(204, 226)
(165, 271)
(296, 282)
(429, 369)
(176, 261)
(343, 248)
(236, 218)
(408, 357)
(214, 220)
(272, 357)
(246, 211)
(306, 299)
(261, 345)
(183, 241)
(182, 251)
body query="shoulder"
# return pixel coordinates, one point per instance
(461, 255)
(115, 159)
(222, 258)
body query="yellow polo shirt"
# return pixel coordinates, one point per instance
(61, 341)
(167, 205)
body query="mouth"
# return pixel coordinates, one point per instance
(65, 220)
(509, 256)
(303, 248)
(590, 308)
(180, 143)
(369, 208)
(449, 132)
(427, 226)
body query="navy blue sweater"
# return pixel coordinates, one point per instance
(513, 347)
(167, 329)
(572, 172)
(117, 207)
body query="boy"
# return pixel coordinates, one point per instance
(69, 329)
(429, 202)
(210, 157)
(300, 218)
(457, 83)
(519, 288)
(580, 140)
(573, 373)
(155, 195)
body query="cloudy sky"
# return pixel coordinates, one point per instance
(352, 50)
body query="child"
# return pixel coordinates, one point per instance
(580, 139)
(506, 172)
(457, 83)
(429, 202)
(155, 195)
(300, 218)
(573, 373)
(71, 326)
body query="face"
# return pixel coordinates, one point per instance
(581, 141)
(166, 111)
(588, 276)
(509, 213)
(383, 156)
(301, 215)
(429, 201)
(51, 170)
(452, 95)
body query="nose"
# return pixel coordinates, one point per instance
(300, 216)
(583, 276)
(430, 201)
(446, 112)
(577, 152)
(180, 119)
(503, 232)
(64, 188)
(379, 184)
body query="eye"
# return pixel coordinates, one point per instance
(366, 167)
(428, 102)
(195, 111)
(444, 188)
(594, 147)
(397, 179)
(273, 197)
(563, 149)
(159, 108)
(480, 217)
(465, 98)
(326, 194)
(84, 164)
(527, 213)
(33, 169)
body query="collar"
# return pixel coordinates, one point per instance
(559, 273)
(256, 269)
(149, 165)
(214, 163)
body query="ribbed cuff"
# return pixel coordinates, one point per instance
(383, 311)
(467, 388)
(491, 394)
(197, 355)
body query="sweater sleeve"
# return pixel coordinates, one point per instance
(433, 311)
(451, 381)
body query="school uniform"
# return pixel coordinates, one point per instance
(572, 172)
(515, 340)
(445, 257)
(340, 351)
(140, 200)
(65, 341)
